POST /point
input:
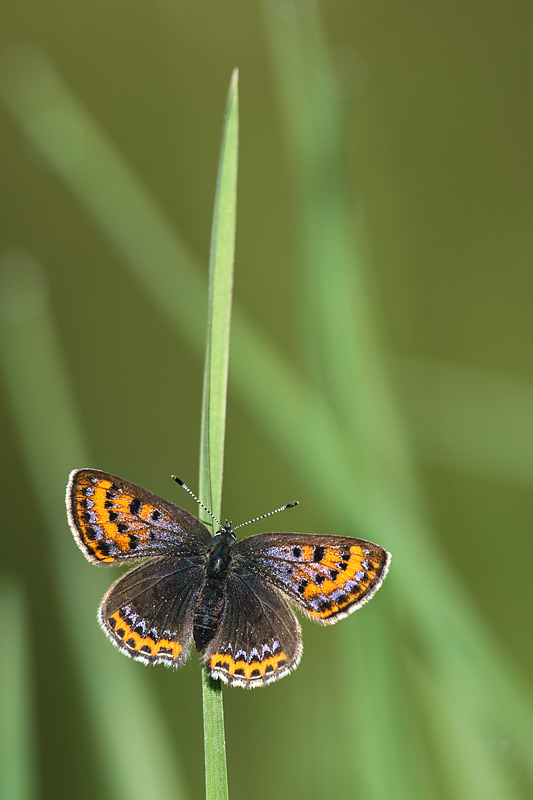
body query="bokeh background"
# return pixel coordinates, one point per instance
(381, 373)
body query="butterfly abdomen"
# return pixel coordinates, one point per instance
(209, 610)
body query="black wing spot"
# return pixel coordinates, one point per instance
(155, 515)
(342, 565)
(113, 516)
(131, 643)
(90, 533)
(104, 548)
(318, 553)
(297, 552)
(122, 527)
(319, 579)
(135, 505)
(333, 574)
(239, 672)
(269, 668)
(145, 649)
(302, 586)
(134, 541)
(108, 504)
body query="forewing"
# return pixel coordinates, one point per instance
(113, 520)
(259, 638)
(148, 613)
(327, 577)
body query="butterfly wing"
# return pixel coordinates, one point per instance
(113, 520)
(148, 613)
(327, 577)
(259, 638)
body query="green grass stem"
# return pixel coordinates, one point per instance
(214, 404)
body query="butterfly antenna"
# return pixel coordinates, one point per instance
(276, 510)
(178, 480)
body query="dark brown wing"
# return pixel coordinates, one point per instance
(327, 577)
(148, 613)
(114, 520)
(259, 638)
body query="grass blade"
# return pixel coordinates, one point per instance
(214, 404)
(17, 756)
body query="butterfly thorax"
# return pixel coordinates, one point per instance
(220, 555)
(212, 596)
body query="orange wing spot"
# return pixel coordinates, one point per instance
(146, 513)
(244, 670)
(307, 552)
(325, 588)
(138, 643)
(98, 553)
(122, 501)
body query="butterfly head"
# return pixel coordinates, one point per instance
(226, 532)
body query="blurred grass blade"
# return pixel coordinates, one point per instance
(465, 767)
(344, 353)
(214, 403)
(347, 353)
(18, 779)
(119, 707)
(69, 139)
(467, 419)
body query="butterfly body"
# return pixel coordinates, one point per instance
(212, 595)
(231, 598)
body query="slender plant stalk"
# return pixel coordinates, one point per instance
(214, 405)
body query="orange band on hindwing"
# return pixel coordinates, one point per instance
(243, 669)
(144, 645)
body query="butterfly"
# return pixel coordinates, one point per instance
(233, 599)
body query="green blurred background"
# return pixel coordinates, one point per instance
(380, 373)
